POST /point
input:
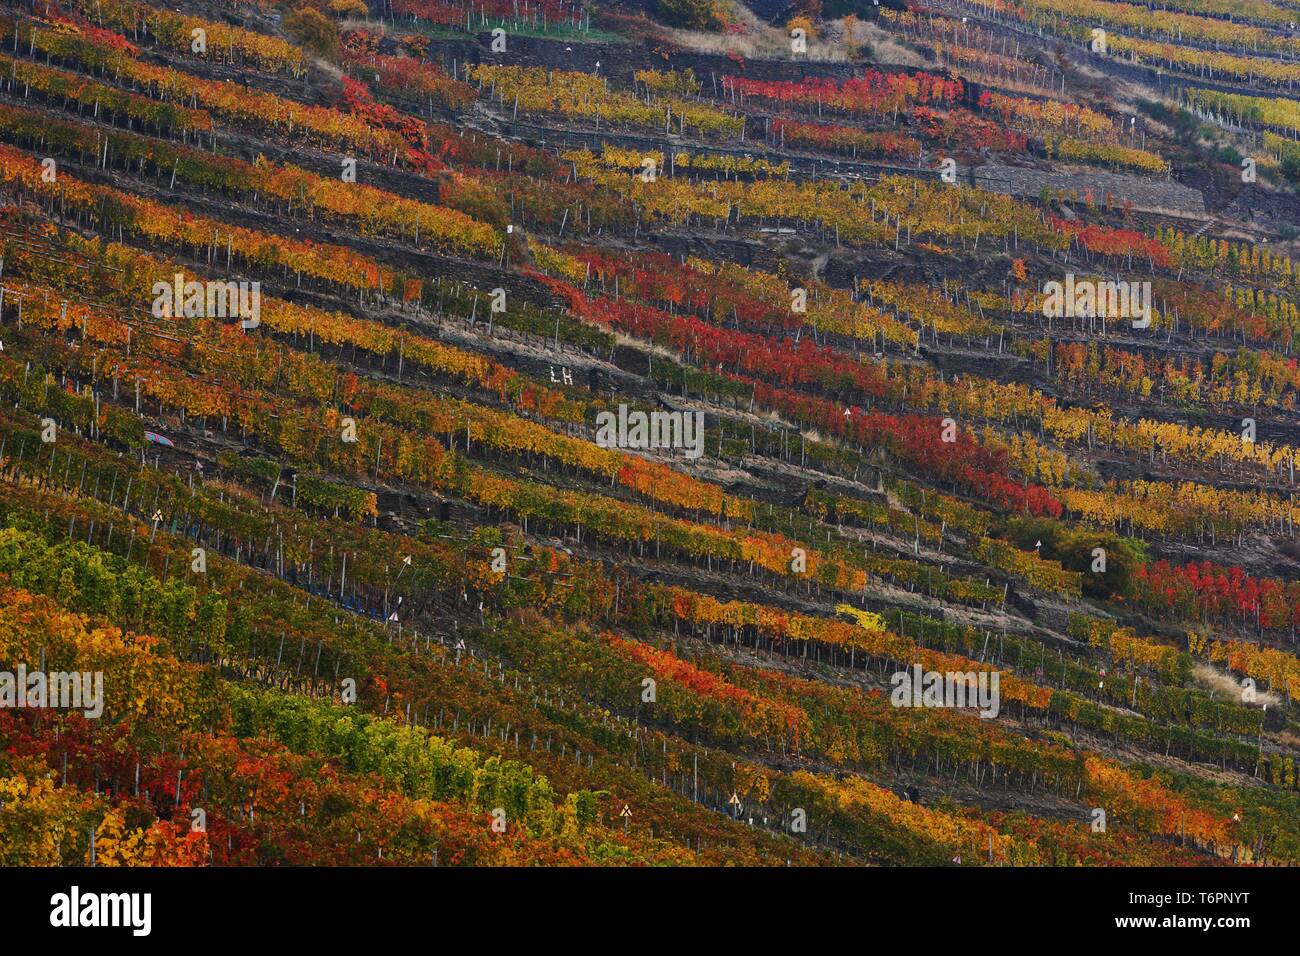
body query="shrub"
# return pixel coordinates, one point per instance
(314, 31)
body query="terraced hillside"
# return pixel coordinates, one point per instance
(327, 332)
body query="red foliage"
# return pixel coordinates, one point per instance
(1114, 242)
(434, 11)
(657, 277)
(1211, 592)
(358, 101)
(875, 92)
(959, 127)
(783, 361)
(453, 14)
(832, 136)
(916, 439)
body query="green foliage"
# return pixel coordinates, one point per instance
(1229, 155)
(1073, 548)
(419, 763)
(1291, 168)
(690, 14)
(89, 579)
